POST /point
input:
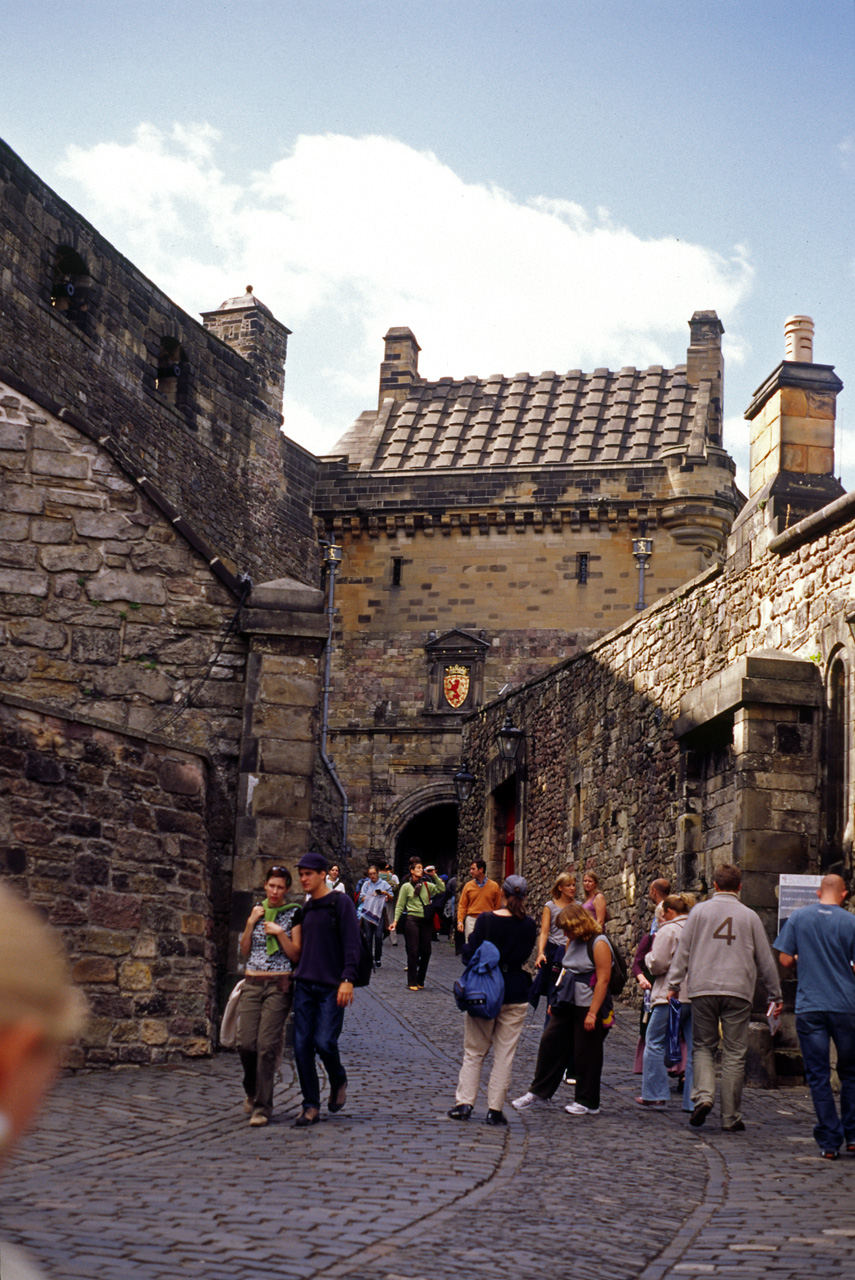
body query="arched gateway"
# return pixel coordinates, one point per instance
(424, 825)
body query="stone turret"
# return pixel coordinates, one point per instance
(250, 327)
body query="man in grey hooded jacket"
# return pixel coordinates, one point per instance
(721, 952)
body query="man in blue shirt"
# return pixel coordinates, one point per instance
(821, 937)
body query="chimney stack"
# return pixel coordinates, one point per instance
(792, 418)
(400, 367)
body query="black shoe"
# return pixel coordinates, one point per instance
(460, 1112)
(495, 1117)
(309, 1116)
(739, 1127)
(699, 1115)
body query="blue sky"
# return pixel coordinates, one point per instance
(529, 185)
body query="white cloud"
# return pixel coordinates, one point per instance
(345, 237)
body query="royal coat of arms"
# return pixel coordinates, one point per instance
(455, 685)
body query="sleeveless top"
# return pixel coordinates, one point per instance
(556, 935)
(578, 961)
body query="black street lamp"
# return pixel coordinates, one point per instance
(464, 781)
(509, 738)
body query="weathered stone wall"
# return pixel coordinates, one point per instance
(214, 447)
(107, 832)
(603, 780)
(108, 610)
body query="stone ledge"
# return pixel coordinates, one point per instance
(108, 726)
(779, 680)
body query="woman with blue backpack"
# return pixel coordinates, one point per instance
(512, 934)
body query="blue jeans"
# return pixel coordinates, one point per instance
(655, 1082)
(816, 1030)
(318, 1021)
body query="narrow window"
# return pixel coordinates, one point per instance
(172, 371)
(69, 293)
(835, 746)
(582, 566)
(397, 570)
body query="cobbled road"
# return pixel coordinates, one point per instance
(154, 1172)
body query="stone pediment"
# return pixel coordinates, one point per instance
(457, 643)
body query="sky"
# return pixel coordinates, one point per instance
(526, 184)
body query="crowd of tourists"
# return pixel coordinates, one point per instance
(696, 967)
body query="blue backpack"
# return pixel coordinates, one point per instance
(480, 990)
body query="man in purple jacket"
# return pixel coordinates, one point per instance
(324, 986)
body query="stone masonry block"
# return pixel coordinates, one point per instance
(179, 778)
(294, 691)
(80, 557)
(282, 796)
(110, 584)
(94, 969)
(291, 723)
(67, 466)
(135, 976)
(280, 756)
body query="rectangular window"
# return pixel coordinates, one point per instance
(397, 570)
(582, 566)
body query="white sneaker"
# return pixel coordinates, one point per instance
(577, 1109)
(528, 1100)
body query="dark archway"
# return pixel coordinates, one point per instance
(432, 836)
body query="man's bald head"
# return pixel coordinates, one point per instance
(832, 889)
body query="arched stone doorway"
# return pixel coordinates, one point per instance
(430, 835)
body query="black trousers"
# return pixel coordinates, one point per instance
(565, 1043)
(418, 935)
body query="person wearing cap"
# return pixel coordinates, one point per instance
(325, 974)
(514, 934)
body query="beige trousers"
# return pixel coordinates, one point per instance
(468, 926)
(478, 1035)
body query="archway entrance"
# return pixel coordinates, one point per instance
(432, 836)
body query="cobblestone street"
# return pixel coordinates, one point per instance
(154, 1172)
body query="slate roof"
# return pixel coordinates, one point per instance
(570, 419)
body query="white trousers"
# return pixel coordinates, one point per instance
(479, 1034)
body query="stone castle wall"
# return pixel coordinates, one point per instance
(108, 833)
(611, 775)
(212, 444)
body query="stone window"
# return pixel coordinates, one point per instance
(582, 566)
(70, 286)
(397, 570)
(836, 750)
(172, 372)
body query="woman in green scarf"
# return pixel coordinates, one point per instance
(270, 944)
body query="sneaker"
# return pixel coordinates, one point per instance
(528, 1100)
(577, 1109)
(648, 1102)
(258, 1118)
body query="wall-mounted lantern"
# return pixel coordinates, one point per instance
(509, 738)
(642, 549)
(464, 782)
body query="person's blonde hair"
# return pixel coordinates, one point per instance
(680, 903)
(35, 984)
(563, 877)
(578, 923)
(591, 875)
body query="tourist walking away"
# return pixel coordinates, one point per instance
(413, 908)
(270, 944)
(478, 895)
(371, 908)
(657, 893)
(551, 943)
(819, 940)
(581, 1014)
(513, 933)
(40, 1013)
(595, 902)
(325, 974)
(655, 1085)
(723, 948)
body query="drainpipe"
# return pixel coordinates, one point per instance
(332, 559)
